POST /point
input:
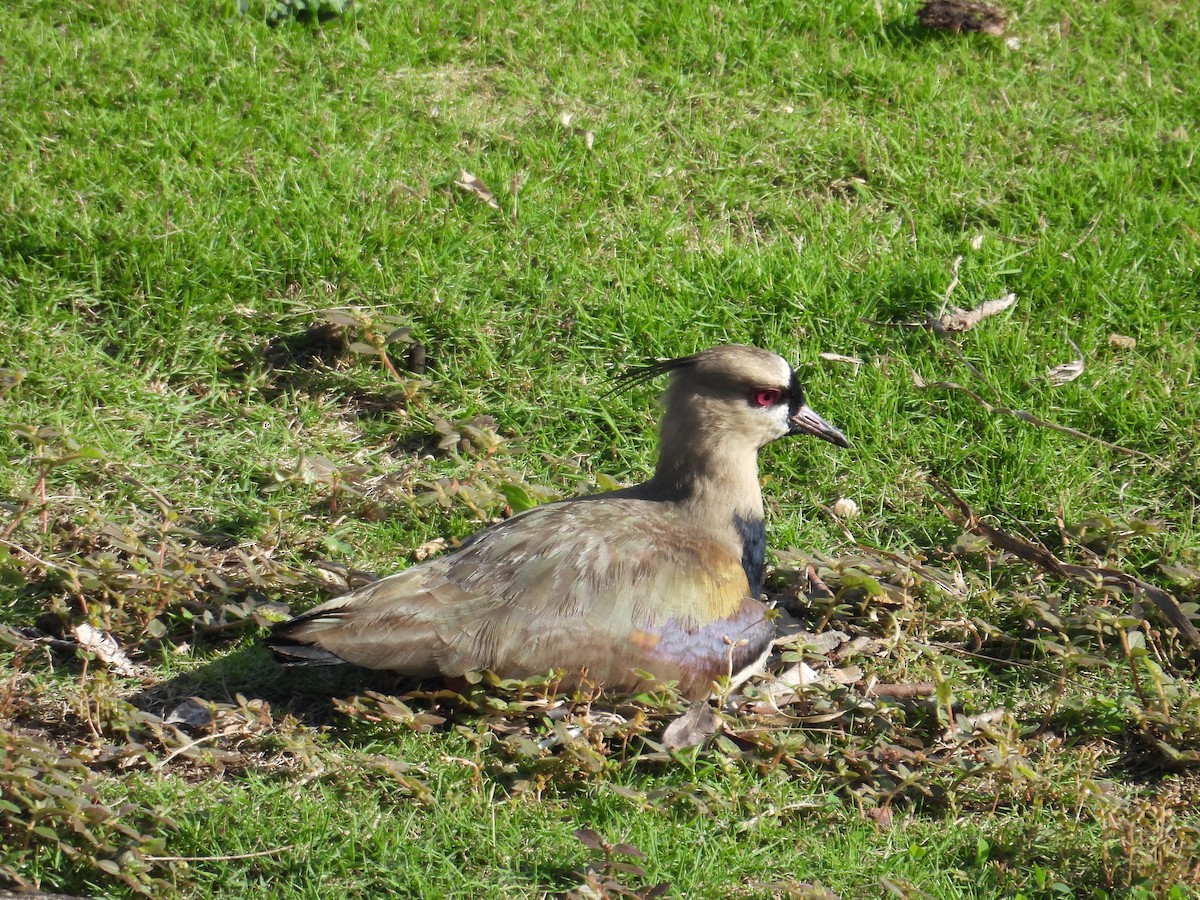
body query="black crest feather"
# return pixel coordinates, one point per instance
(651, 369)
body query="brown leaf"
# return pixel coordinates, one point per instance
(429, 548)
(628, 850)
(472, 185)
(880, 815)
(1065, 372)
(957, 320)
(192, 712)
(693, 729)
(590, 838)
(626, 868)
(845, 675)
(910, 691)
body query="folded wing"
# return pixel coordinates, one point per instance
(602, 590)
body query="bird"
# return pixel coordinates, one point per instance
(621, 591)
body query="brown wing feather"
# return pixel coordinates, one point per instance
(602, 588)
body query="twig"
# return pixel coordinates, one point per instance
(951, 286)
(186, 747)
(37, 559)
(1040, 555)
(272, 852)
(1087, 234)
(846, 533)
(1040, 423)
(912, 691)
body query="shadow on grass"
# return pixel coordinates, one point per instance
(305, 693)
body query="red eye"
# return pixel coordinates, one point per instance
(764, 397)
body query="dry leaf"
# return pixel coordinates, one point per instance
(106, 649)
(963, 320)
(193, 712)
(785, 687)
(880, 815)
(693, 728)
(472, 185)
(859, 646)
(792, 634)
(907, 691)
(589, 838)
(1121, 341)
(844, 675)
(796, 676)
(1065, 372)
(428, 549)
(333, 577)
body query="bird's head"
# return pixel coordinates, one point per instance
(735, 392)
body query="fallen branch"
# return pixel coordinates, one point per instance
(1039, 555)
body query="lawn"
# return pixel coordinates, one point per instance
(279, 304)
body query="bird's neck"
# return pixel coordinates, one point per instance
(711, 477)
(702, 464)
(716, 478)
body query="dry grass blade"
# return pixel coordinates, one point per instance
(912, 691)
(1041, 556)
(838, 357)
(257, 854)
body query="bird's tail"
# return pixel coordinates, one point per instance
(291, 646)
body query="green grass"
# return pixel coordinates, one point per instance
(182, 186)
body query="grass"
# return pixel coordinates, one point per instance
(184, 188)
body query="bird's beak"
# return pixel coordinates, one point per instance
(805, 421)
